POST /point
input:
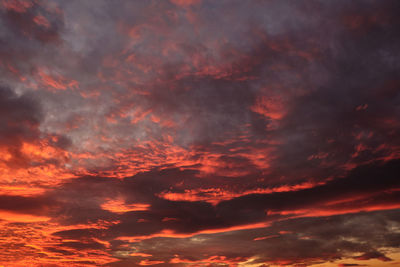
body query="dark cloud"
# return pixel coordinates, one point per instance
(373, 255)
(200, 132)
(29, 205)
(297, 241)
(20, 118)
(361, 182)
(33, 21)
(371, 184)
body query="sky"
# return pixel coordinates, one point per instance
(199, 133)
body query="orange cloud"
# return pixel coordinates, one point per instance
(119, 206)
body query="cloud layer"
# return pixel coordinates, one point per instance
(199, 133)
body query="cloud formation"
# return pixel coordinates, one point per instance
(199, 133)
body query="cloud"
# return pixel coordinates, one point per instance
(203, 133)
(20, 117)
(373, 255)
(26, 150)
(32, 20)
(303, 222)
(305, 243)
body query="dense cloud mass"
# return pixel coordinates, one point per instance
(199, 133)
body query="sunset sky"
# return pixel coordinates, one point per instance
(237, 133)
